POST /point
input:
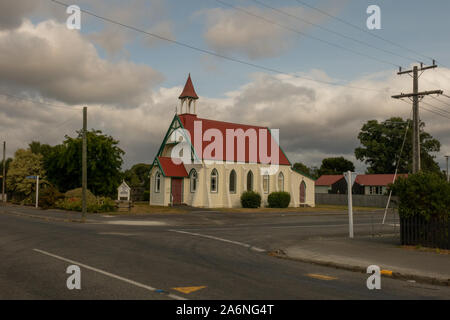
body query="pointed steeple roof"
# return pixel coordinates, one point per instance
(188, 91)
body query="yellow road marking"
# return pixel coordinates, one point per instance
(386, 272)
(320, 276)
(189, 289)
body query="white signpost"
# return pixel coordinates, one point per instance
(350, 177)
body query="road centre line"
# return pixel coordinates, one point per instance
(221, 239)
(135, 283)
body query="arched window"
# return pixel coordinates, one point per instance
(193, 180)
(281, 181)
(266, 183)
(233, 181)
(157, 182)
(250, 181)
(214, 180)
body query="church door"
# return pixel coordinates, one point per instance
(177, 191)
(302, 192)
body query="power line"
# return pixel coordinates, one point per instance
(38, 102)
(330, 31)
(365, 31)
(429, 110)
(307, 35)
(437, 110)
(215, 54)
(444, 103)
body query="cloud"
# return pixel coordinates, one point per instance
(233, 31)
(61, 64)
(13, 12)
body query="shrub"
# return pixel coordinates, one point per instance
(279, 199)
(48, 197)
(250, 199)
(73, 202)
(423, 194)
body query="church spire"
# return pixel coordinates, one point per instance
(189, 96)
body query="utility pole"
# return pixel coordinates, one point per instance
(448, 180)
(84, 165)
(4, 173)
(416, 95)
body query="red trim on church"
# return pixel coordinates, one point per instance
(171, 169)
(188, 123)
(188, 91)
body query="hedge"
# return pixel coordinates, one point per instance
(279, 199)
(423, 194)
(250, 199)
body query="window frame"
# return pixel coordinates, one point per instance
(266, 180)
(214, 175)
(193, 181)
(157, 182)
(234, 184)
(280, 178)
(250, 174)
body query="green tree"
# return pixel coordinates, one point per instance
(104, 161)
(25, 163)
(425, 194)
(38, 148)
(381, 144)
(137, 175)
(337, 165)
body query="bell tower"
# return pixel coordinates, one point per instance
(188, 98)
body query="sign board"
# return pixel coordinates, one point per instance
(32, 177)
(353, 177)
(123, 192)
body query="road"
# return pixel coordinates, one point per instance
(215, 255)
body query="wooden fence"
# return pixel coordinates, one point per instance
(433, 233)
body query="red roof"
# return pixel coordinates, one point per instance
(171, 169)
(377, 179)
(188, 91)
(328, 179)
(188, 123)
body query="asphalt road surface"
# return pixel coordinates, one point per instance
(198, 255)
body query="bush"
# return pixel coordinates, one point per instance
(422, 194)
(73, 202)
(279, 199)
(250, 199)
(48, 197)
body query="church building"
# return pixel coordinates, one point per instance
(210, 163)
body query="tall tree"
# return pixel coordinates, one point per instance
(25, 163)
(137, 175)
(311, 171)
(40, 148)
(104, 160)
(337, 165)
(381, 144)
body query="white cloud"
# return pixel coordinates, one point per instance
(61, 64)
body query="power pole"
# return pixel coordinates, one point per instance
(4, 173)
(448, 180)
(84, 165)
(416, 95)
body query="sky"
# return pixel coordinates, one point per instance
(326, 78)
